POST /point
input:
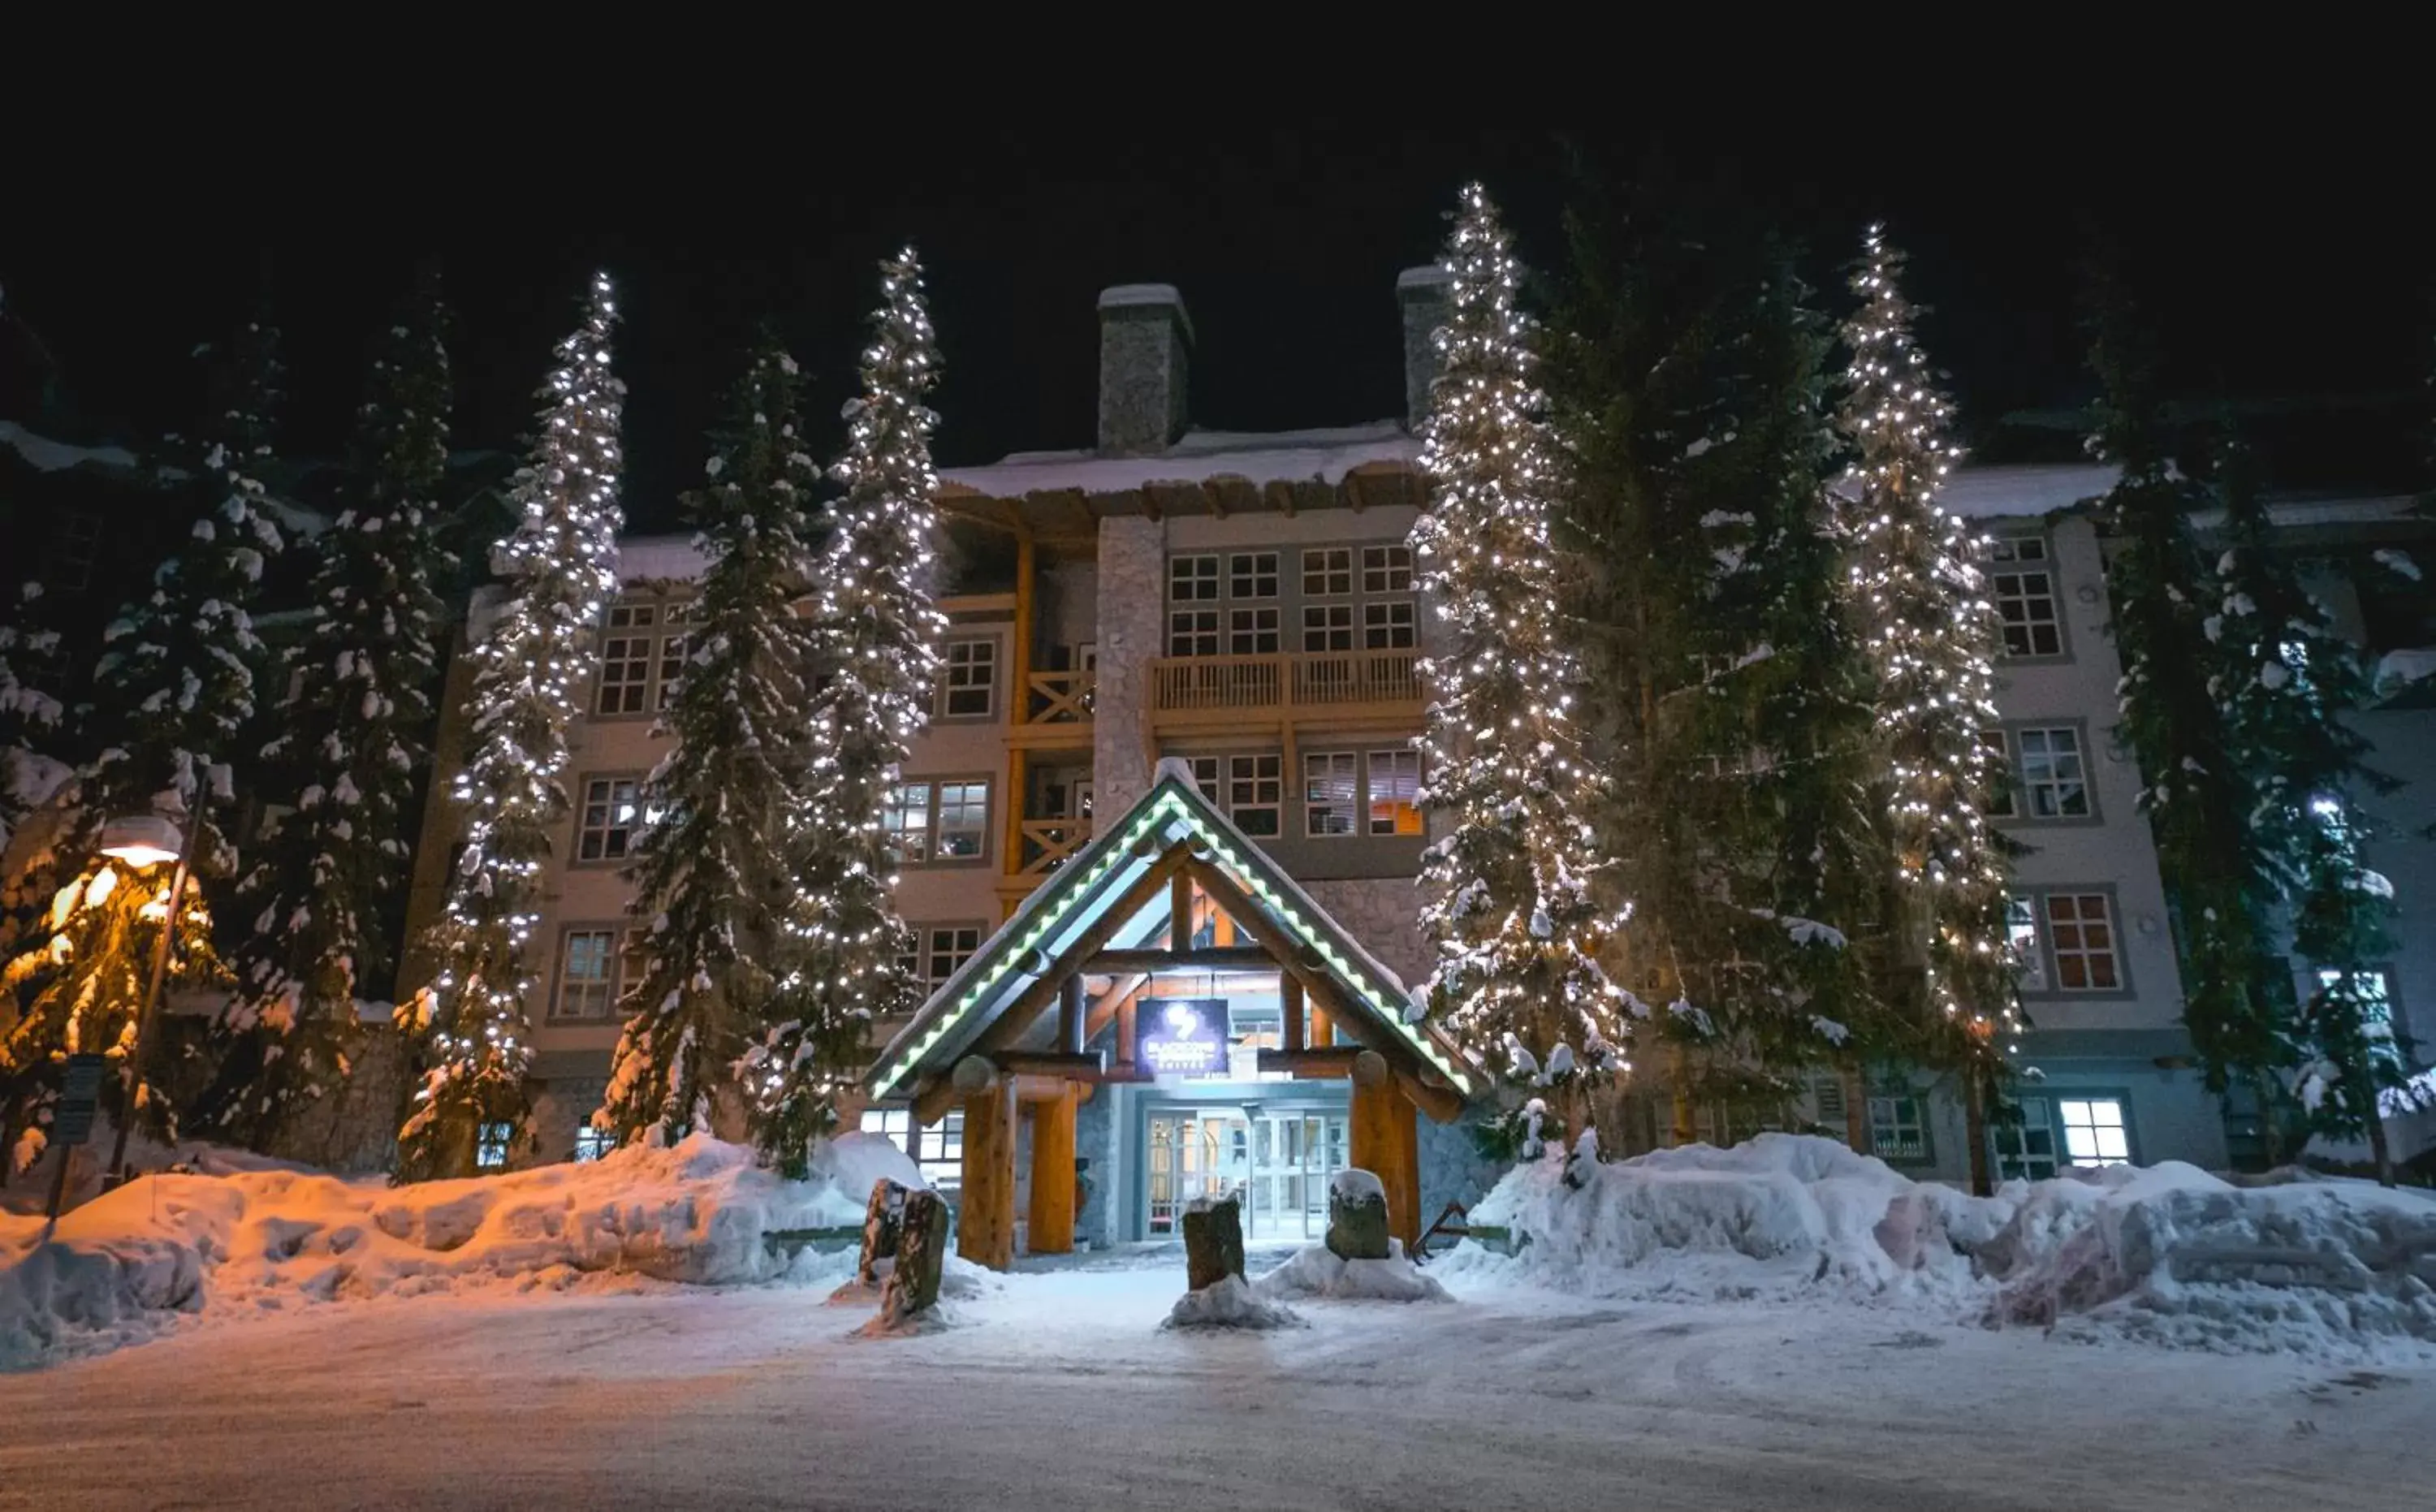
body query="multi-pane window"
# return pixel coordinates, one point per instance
(2054, 776)
(1192, 580)
(1255, 791)
(937, 820)
(591, 1143)
(963, 820)
(938, 1150)
(2093, 1133)
(1326, 571)
(1326, 627)
(1331, 800)
(1206, 772)
(1252, 575)
(612, 806)
(2024, 583)
(588, 962)
(2026, 1150)
(1386, 569)
(1252, 633)
(1395, 793)
(2022, 934)
(1192, 633)
(905, 819)
(2081, 934)
(968, 678)
(2375, 994)
(1899, 1129)
(1387, 626)
(643, 653)
(491, 1141)
(934, 953)
(2000, 772)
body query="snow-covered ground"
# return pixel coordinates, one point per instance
(1060, 1390)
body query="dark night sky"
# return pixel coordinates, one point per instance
(2277, 264)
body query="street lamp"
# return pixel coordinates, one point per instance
(145, 841)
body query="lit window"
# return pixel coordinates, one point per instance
(2026, 1150)
(1192, 580)
(2054, 779)
(612, 810)
(1192, 633)
(676, 649)
(2000, 773)
(591, 1143)
(963, 820)
(1387, 626)
(1326, 627)
(643, 653)
(2080, 933)
(587, 974)
(1386, 569)
(1252, 575)
(969, 679)
(2022, 934)
(2026, 601)
(905, 819)
(1328, 798)
(1326, 571)
(2374, 994)
(1252, 633)
(939, 1151)
(1899, 1129)
(1255, 791)
(2093, 1131)
(491, 1146)
(1395, 793)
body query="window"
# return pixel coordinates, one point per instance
(1205, 776)
(1827, 1095)
(1386, 569)
(491, 1146)
(612, 809)
(1326, 571)
(1192, 580)
(1899, 1129)
(1252, 633)
(2093, 1131)
(75, 539)
(1252, 575)
(1329, 796)
(591, 1143)
(2026, 596)
(2000, 772)
(1255, 792)
(2375, 990)
(2026, 1150)
(1326, 627)
(587, 974)
(643, 653)
(939, 1151)
(2022, 933)
(968, 679)
(905, 819)
(1387, 626)
(1192, 633)
(2054, 780)
(1395, 793)
(963, 820)
(2080, 931)
(940, 950)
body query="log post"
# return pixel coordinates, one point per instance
(1180, 911)
(1384, 1143)
(1070, 1015)
(986, 1236)
(1290, 1008)
(1052, 1174)
(883, 1225)
(921, 1250)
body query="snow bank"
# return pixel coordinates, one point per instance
(1229, 1303)
(2167, 1254)
(129, 1264)
(1316, 1271)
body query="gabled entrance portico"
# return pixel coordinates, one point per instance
(1171, 954)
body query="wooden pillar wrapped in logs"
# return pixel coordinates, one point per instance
(1052, 1215)
(1385, 1143)
(986, 1235)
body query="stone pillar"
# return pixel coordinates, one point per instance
(1145, 338)
(1133, 588)
(1052, 1218)
(1426, 297)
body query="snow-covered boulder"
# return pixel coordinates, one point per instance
(1317, 1271)
(1229, 1303)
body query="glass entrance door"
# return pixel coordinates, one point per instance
(1293, 1156)
(1279, 1163)
(1191, 1154)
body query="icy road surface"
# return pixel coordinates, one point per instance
(1058, 1391)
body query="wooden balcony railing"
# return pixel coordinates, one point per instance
(1309, 680)
(1047, 844)
(1061, 698)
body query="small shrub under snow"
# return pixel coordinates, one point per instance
(1317, 1271)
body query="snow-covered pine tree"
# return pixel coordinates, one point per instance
(1510, 907)
(874, 659)
(2194, 793)
(174, 689)
(712, 866)
(1931, 635)
(2354, 1065)
(353, 745)
(530, 669)
(29, 715)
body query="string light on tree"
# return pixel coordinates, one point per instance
(529, 670)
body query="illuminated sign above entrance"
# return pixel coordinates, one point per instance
(1190, 1039)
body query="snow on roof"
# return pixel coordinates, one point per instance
(1121, 295)
(1426, 276)
(48, 455)
(1273, 456)
(643, 557)
(1995, 492)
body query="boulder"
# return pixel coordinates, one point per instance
(1357, 1216)
(921, 1250)
(1214, 1241)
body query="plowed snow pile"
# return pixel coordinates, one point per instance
(129, 1263)
(2167, 1254)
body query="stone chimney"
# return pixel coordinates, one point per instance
(1426, 295)
(1144, 341)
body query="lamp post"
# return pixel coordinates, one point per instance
(145, 841)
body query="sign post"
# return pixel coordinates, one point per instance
(72, 1124)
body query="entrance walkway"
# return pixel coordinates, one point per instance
(1154, 1255)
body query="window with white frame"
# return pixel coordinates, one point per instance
(588, 962)
(2023, 584)
(2080, 937)
(1255, 791)
(1252, 575)
(2000, 772)
(968, 678)
(1395, 778)
(591, 1143)
(1207, 773)
(643, 651)
(2026, 1149)
(1326, 627)
(905, 819)
(1192, 633)
(613, 809)
(939, 1151)
(1192, 580)
(2022, 934)
(2375, 990)
(938, 951)
(964, 820)
(1386, 569)
(2094, 1133)
(1388, 626)
(1326, 571)
(1331, 800)
(2054, 776)
(1899, 1128)
(491, 1142)
(1252, 631)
